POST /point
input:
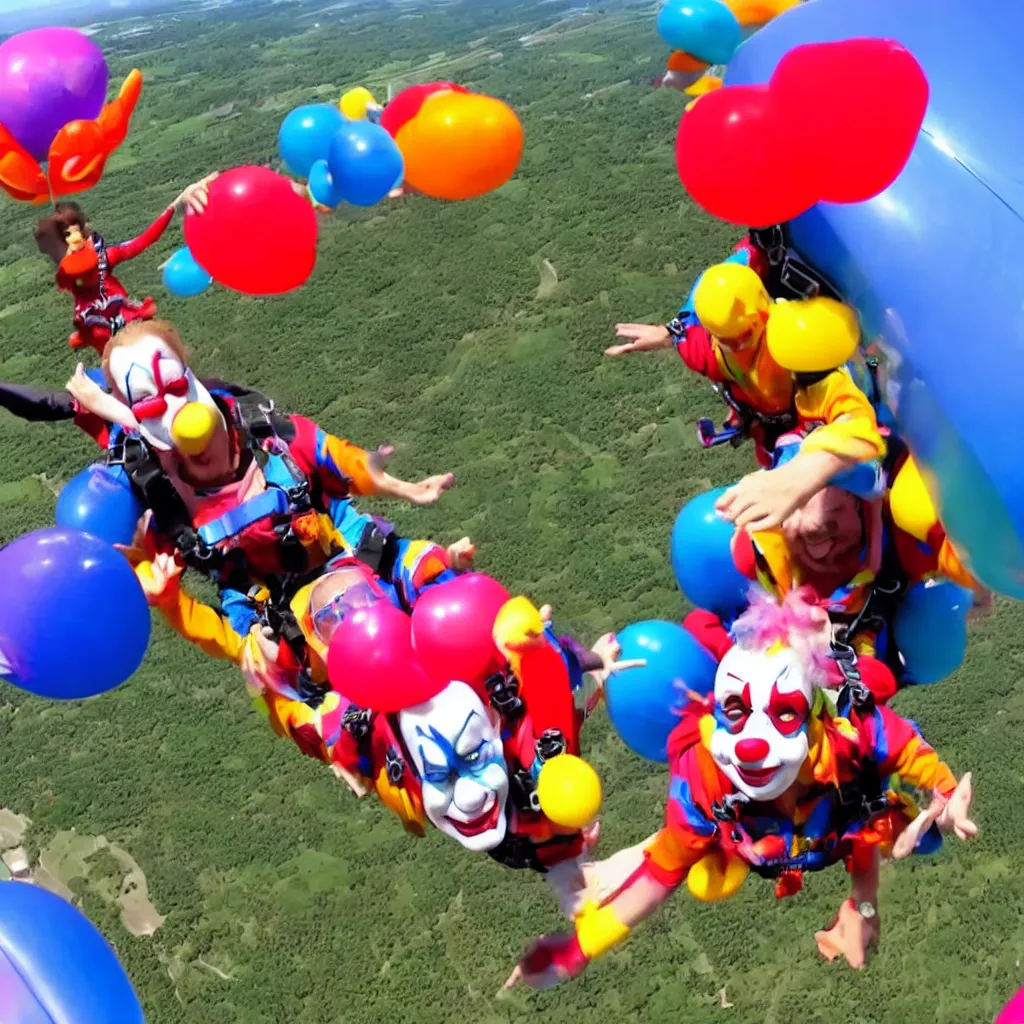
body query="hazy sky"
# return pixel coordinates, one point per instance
(20, 5)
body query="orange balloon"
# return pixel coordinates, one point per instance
(460, 145)
(680, 60)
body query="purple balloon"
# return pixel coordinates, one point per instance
(48, 77)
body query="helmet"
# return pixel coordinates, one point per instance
(730, 300)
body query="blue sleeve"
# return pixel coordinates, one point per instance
(239, 610)
(866, 480)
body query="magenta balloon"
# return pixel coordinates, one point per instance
(49, 76)
(452, 626)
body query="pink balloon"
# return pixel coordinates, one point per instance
(1013, 1012)
(452, 625)
(371, 661)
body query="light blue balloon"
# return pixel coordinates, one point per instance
(100, 501)
(73, 618)
(702, 558)
(705, 29)
(933, 263)
(321, 186)
(364, 162)
(184, 277)
(930, 630)
(305, 136)
(644, 703)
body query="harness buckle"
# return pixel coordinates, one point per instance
(357, 721)
(393, 766)
(503, 693)
(551, 744)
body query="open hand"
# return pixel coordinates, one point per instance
(762, 500)
(608, 649)
(196, 197)
(640, 338)
(92, 398)
(160, 576)
(426, 492)
(461, 554)
(955, 816)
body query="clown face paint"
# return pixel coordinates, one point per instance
(157, 385)
(455, 744)
(762, 704)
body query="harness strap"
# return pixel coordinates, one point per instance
(272, 502)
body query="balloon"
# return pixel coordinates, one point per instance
(812, 335)
(100, 501)
(750, 154)
(460, 145)
(930, 629)
(706, 29)
(48, 77)
(356, 103)
(910, 504)
(949, 225)
(717, 876)
(644, 703)
(681, 61)
(372, 663)
(751, 13)
(258, 234)
(321, 186)
(569, 791)
(408, 103)
(52, 956)
(364, 163)
(1013, 1011)
(73, 619)
(305, 136)
(184, 277)
(702, 558)
(452, 627)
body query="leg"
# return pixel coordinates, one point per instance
(853, 932)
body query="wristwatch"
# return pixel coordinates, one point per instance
(867, 910)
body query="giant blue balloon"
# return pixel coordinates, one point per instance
(365, 162)
(73, 618)
(321, 187)
(306, 134)
(702, 558)
(184, 277)
(930, 629)
(705, 29)
(55, 967)
(100, 501)
(933, 263)
(644, 703)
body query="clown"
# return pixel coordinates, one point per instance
(722, 334)
(86, 263)
(770, 777)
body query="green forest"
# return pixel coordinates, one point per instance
(441, 329)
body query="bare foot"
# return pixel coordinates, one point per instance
(851, 936)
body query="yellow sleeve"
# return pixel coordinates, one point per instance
(849, 425)
(201, 625)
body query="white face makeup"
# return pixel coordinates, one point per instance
(157, 385)
(455, 744)
(762, 705)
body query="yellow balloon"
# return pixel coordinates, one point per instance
(730, 300)
(716, 877)
(703, 85)
(517, 623)
(569, 791)
(356, 102)
(910, 503)
(758, 12)
(193, 428)
(813, 335)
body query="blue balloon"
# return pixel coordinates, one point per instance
(306, 134)
(930, 630)
(364, 162)
(702, 558)
(55, 965)
(948, 230)
(100, 501)
(184, 277)
(644, 703)
(321, 186)
(73, 618)
(705, 29)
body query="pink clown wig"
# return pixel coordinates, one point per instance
(797, 622)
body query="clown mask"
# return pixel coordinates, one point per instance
(175, 412)
(763, 701)
(455, 745)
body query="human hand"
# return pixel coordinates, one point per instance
(141, 548)
(550, 960)
(763, 500)
(608, 649)
(461, 554)
(196, 197)
(92, 398)
(159, 577)
(426, 492)
(640, 338)
(955, 815)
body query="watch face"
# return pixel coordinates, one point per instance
(867, 910)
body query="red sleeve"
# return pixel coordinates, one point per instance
(96, 428)
(304, 445)
(707, 629)
(64, 283)
(697, 350)
(877, 677)
(743, 554)
(757, 260)
(129, 250)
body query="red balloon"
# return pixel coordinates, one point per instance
(257, 236)
(371, 661)
(854, 112)
(406, 105)
(452, 626)
(734, 161)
